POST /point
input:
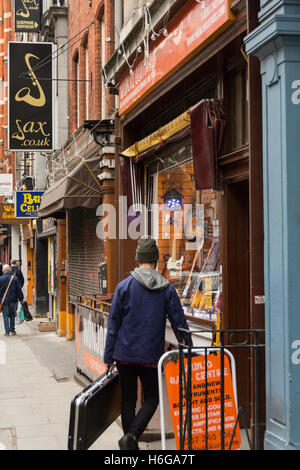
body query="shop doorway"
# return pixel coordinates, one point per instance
(42, 300)
(236, 281)
(30, 272)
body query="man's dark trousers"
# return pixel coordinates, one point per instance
(136, 424)
(9, 311)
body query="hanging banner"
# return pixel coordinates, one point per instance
(28, 204)
(206, 429)
(30, 74)
(28, 14)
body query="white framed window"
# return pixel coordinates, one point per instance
(103, 61)
(86, 50)
(77, 91)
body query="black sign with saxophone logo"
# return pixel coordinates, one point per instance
(30, 96)
(28, 14)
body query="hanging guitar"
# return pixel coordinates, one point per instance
(174, 264)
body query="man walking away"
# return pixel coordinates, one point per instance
(16, 270)
(14, 294)
(136, 337)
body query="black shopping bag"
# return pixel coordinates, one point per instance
(27, 314)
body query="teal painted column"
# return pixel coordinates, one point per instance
(277, 44)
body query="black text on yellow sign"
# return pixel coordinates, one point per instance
(30, 96)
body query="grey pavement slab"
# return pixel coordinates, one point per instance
(7, 438)
(36, 389)
(34, 403)
(38, 443)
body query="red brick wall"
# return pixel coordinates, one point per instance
(6, 34)
(85, 24)
(1, 75)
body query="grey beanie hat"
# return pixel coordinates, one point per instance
(147, 251)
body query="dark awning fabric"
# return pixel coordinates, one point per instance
(80, 188)
(208, 127)
(205, 123)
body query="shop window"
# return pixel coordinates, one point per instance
(184, 100)
(86, 67)
(103, 61)
(187, 234)
(207, 88)
(76, 90)
(172, 112)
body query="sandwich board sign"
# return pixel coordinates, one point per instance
(206, 430)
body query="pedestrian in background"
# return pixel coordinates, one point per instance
(13, 295)
(136, 337)
(16, 270)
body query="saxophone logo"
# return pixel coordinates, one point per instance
(25, 94)
(25, 5)
(30, 99)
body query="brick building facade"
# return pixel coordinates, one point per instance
(6, 35)
(89, 112)
(91, 36)
(7, 158)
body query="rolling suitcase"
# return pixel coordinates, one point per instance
(93, 410)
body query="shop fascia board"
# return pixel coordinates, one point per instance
(158, 9)
(238, 27)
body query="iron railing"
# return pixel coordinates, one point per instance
(230, 342)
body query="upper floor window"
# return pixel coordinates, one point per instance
(1, 92)
(76, 90)
(103, 61)
(86, 78)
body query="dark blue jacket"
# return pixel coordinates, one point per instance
(14, 292)
(18, 273)
(137, 320)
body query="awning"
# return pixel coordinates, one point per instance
(205, 122)
(80, 188)
(158, 138)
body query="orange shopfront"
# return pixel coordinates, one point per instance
(161, 162)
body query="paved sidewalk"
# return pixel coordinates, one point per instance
(35, 392)
(36, 388)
